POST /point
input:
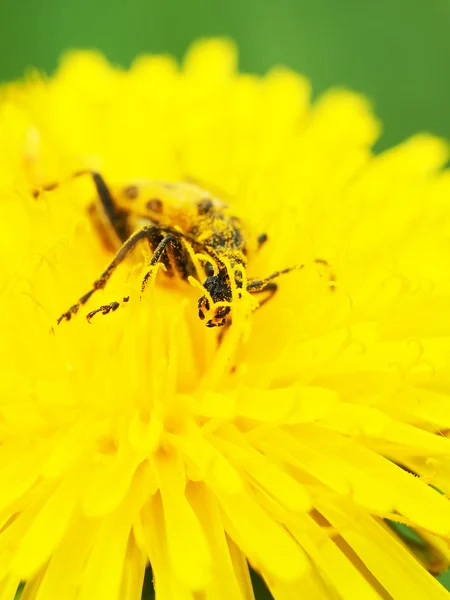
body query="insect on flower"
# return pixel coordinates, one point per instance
(187, 230)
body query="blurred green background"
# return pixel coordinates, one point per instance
(397, 52)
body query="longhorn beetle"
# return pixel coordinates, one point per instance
(182, 223)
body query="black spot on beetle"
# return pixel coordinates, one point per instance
(155, 205)
(131, 192)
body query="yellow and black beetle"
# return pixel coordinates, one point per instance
(180, 221)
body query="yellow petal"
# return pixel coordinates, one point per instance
(383, 554)
(187, 546)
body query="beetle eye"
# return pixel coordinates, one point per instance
(209, 269)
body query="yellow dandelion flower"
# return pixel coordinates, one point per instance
(289, 440)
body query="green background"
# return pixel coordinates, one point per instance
(397, 52)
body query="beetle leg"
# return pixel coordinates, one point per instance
(106, 308)
(114, 216)
(255, 286)
(161, 247)
(100, 283)
(262, 239)
(269, 286)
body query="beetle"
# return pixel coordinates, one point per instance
(183, 224)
